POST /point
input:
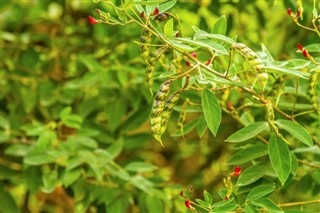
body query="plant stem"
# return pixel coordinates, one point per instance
(308, 164)
(299, 203)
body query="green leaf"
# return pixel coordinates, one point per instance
(186, 129)
(220, 26)
(281, 70)
(167, 5)
(115, 112)
(296, 64)
(116, 148)
(212, 111)
(39, 159)
(250, 209)
(248, 132)
(252, 174)
(260, 191)
(203, 34)
(313, 48)
(268, 204)
(168, 28)
(227, 208)
(141, 183)
(18, 150)
(296, 130)
(201, 126)
(70, 176)
(8, 203)
(280, 158)
(207, 197)
(248, 154)
(181, 46)
(50, 180)
(140, 167)
(154, 204)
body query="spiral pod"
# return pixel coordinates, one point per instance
(312, 90)
(270, 119)
(145, 39)
(152, 61)
(250, 57)
(158, 108)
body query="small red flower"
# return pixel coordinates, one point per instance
(188, 204)
(194, 54)
(208, 62)
(177, 34)
(237, 171)
(289, 11)
(300, 46)
(188, 64)
(305, 53)
(93, 20)
(142, 14)
(156, 11)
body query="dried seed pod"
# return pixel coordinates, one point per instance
(161, 17)
(270, 119)
(312, 90)
(145, 49)
(152, 63)
(158, 108)
(250, 57)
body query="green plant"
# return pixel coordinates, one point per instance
(80, 130)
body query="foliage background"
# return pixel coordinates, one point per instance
(75, 89)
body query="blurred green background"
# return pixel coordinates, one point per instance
(64, 81)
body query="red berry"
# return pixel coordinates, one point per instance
(305, 53)
(289, 11)
(300, 46)
(93, 20)
(142, 14)
(188, 204)
(237, 171)
(156, 11)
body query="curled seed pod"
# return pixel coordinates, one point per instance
(249, 56)
(228, 184)
(312, 90)
(270, 119)
(152, 63)
(145, 49)
(158, 108)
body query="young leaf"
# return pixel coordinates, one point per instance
(227, 208)
(280, 158)
(220, 26)
(207, 197)
(252, 174)
(250, 209)
(248, 132)
(168, 28)
(140, 167)
(167, 5)
(212, 111)
(260, 191)
(296, 130)
(248, 154)
(201, 126)
(268, 204)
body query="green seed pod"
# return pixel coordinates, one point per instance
(249, 56)
(168, 108)
(145, 49)
(312, 91)
(182, 115)
(152, 63)
(158, 108)
(270, 119)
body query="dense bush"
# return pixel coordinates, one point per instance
(222, 85)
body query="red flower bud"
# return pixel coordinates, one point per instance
(208, 62)
(305, 53)
(226, 198)
(181, 194)
(93, 20)
(300, 46)
(229, 105)
(188, 64)
(177, 34)
(156, 11)
(188, 204)
(142, 14)
(289, 11)
(194, 54)
(237, 171)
